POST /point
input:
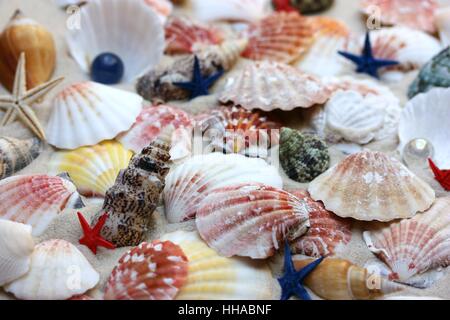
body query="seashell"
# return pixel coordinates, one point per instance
(151, 271)
(212, 277)
(23, 34)
(414, 14)
(442, 20)
(163, 8)
(338, 279)
(436, 73)
(372, 186)
(133, 198)
(303, 156)
(189, 183)
(281, 37)
(270, 85)
(182, 34)
(308, 6)
(82, 297)
(422, 118)
(37, 199)
(250, 220)
(327, 233)
(93, 169)
(58, 271)
(17, 154)
(124, 37)
(16, 247)
(155, 123)
(87, 113)
(412, 247)
(231, 10)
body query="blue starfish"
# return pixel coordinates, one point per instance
(367, 63)
(199, 86)
(292, 281)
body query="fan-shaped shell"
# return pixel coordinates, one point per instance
(16, 154)
(16, 247)
(212, 277)
(93, 169)
(231, 10)
(124, 36)
(422, 118)
(58, 271)
(87, 113)
(327, 233)
(372, 186)
(36, 199)
(190, 182)
(270, 85)
(281, 37)
(151, 271)
(250, 220)
(412, 247)
(163, 8)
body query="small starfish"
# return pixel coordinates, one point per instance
(367, 63)
(283, 5)
(92, 238)
(199, 86)
(21, 99)
(442, 176)
(292, 281)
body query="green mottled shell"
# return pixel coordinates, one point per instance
(435, 73)
(311, 6)
(303, 156)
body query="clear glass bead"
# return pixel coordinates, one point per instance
(417, 152)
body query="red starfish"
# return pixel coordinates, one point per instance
(442, 176)
(92, 238)
(283, 5)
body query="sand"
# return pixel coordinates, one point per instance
(66, 226)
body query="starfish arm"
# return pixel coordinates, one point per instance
(185, 85)
(304, 272)
(212, 79)
(367, 51)
(29, 118)
(352, 57)
(6, 101)
(40, 91)
(84, 224)
(301, 292)
(197, 73)
(101, 222)
(385, 63)
(288, 264)
(8, 117)
(104, 243)
(20, 80)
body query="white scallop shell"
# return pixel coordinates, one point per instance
(105, 26)
(423, 117)
(442, 19)
(16, 247)
(190, 182)
(58, 271)
(87, 113)
(233, 10)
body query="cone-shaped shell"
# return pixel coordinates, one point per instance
(225, 54)
(16, 154)
(372, 186)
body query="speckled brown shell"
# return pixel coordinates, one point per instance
(16, 154)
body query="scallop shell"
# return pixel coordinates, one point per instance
(212, 277)
(37, 199)
(93, 169)
(327, 234)
(281, 37)
(124, 36)
(182, 34)
(412, 247)
(231, 10)
(250, 220)
(163, 8)
(442, 20)
(155, 123)
(422, 118)
(413, 14)
(151, 271)
(58, 271)
(16, 247)
(372, 186)
(17, 154)
(270, 85)
(189, 183)
(87, 113)
(338, 279)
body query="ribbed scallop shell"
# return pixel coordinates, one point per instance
(87, 113)
(190, 182)
(58, 271)
(250, 220)
(212, 277)
(36, 199)
(162, 7)
(270, 85)
(327, 233)
(155, 123)
(372, 186)
(151, 271)
(16, 154)
(93, 169)
(412, 247)
(281, 37)
(423, 118)
(16, 247)
(230, 10)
